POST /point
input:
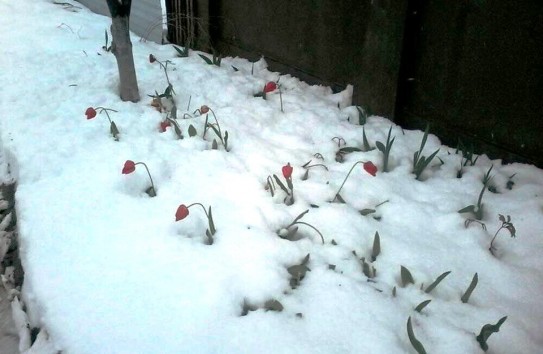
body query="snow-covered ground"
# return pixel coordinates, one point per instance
(110, 270)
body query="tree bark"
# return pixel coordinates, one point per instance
(121, 47)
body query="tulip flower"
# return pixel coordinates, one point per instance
(370, 168)
(287, 171)
(182, 212)
(270, 86)
(163, 125)
(90, 113)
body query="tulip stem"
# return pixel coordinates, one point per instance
(149, 173)
(103, 109)
(345, 180)
(281, 99)
(209, 218)
(203, 207)
(311, 226)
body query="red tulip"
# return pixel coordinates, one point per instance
(90, 113)
(270, 86)
(204, 109)
(152, 58)
(163, 125)
(129, 167)
(370, 168)
(287, 170)
(182, 212)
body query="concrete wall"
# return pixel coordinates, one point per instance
(145, 16)
(335, 42)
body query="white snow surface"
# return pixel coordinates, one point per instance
(109, 270)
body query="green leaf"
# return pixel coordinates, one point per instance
(394, 292)
(468, 209)
(423, 163)
(347, 150)
(226, 139)
(470, 289)
(151, 192)
(113, 130)
(339, 199)
(173, 112)
(211, 223)
(297, 273)
(487, 331)
(479, 212)
(206, 59)
(273, 305)
(289, 183)
(168, 91)
(389, 146)
(281, 185)
(209, 237)
(214, 144)
(299, 217)
(365, 212)
(376, 247)
(215, 130)
(192, 131)
(436, 282)
(380, 146)
(365, 142)
(406, 276)
(362, 115)
(183, 53)
(422, 305)
(414, 341)
(291, 233)
(367, 270)
(177, 130)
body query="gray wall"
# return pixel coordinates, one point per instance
(145, 17)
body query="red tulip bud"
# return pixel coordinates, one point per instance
(370, 168)
(182, 212)
(287, 171)
(90, 113)
(152, 58)
(270, 86)
(163, 125)
(129, 167)
(204, 109)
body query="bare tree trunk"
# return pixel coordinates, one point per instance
(121, 46)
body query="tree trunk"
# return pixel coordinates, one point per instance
(121, 46)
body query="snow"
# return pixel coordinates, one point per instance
(109, 270)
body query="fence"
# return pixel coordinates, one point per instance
(146, 17)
